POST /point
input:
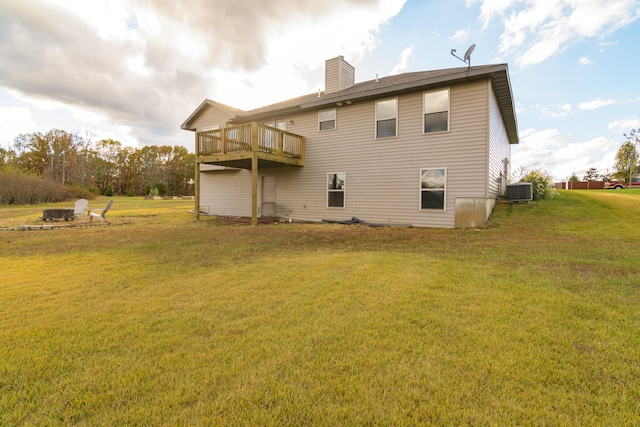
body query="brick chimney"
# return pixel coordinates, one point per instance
(338, 75)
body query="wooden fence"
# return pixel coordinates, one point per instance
(580, 185)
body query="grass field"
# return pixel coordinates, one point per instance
(157, 319)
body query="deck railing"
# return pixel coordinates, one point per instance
(249, 137)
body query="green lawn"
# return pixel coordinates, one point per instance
(157, 319)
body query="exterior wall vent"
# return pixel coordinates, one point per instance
(520, 192)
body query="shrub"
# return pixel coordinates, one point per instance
(540, 182)
(130, 193)
(108, 191)
(157, 189)
(78, 192)
(162, 188)
(18, 188)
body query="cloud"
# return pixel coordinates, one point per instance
(630, 101)
(492, 8)
(536, 30)
(605, 45)
(560, 154)
(404, 58)
(624, 125)
(146, 64)
(461, 35)
(14, 121)
(560, 111)
(584, 61)
(596, 103)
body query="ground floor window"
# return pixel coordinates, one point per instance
(335, 189)
(433, 186)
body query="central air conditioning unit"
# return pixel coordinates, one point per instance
(520, 192)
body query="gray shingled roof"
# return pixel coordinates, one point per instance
(401, 83)
(353, 92)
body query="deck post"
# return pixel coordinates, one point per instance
(254, 190)
(254, 174)
(197, 177)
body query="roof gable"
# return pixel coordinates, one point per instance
(230, 112)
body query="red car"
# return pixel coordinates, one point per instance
(619, 185)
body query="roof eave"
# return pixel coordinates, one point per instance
(502, 87)
(471, 74)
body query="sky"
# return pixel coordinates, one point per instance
(134, 70)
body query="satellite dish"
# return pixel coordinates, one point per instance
(467, 55)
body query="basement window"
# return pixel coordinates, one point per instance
(335, 189)
(433, 186)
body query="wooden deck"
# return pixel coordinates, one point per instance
(237, 146)
(250, 146)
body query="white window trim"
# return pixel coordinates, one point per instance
(344, 191)
(335, 120)
(448, 111)
(375, 118)
(420, 190)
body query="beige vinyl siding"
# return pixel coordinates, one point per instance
(382, 182)
(210, 118)
(221, 189)
(468, 150)
(226, 192)
(382, 176)
(499, 149)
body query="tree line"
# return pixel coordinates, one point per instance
(627, 162)
(101, 166)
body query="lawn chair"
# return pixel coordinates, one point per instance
(102, 216)
(81, 206)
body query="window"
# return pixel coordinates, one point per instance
(386, 118)
(336, 187)
(327, 120)
(432, 188)
(436, 111)
(232, 134)
(270, 137)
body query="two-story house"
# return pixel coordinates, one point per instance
(429, 149)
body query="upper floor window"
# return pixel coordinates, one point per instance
(327, 120)
(270, 138)
(436, 111)
(387, 118)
